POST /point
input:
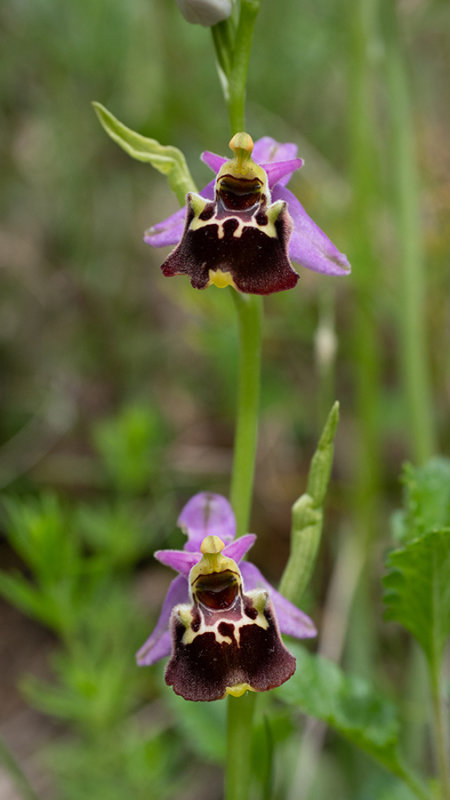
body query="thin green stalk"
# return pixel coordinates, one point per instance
(233, 46)
(239, 68)
(241, 709)
(249, 310)
(412, 282)
(440, 729)
(239, 746)
(414, 783)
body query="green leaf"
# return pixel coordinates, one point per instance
(166, 159)
(346, 703)
(351, 706)
(426, 501)
(417, 590)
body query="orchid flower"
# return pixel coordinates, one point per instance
(221, 619)
(245, 227)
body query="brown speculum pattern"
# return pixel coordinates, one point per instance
(240, 238)
(226, 641)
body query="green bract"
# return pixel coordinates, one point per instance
(307, 515)
(165, 158)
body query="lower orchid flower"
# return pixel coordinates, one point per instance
(245, 227)
(221, 619)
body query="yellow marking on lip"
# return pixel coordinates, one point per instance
(221, 279)
(238, 689)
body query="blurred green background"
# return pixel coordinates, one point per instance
(117, 386)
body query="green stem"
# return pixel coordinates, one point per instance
(416, 785)
(241, 709)
(239, 746)
(412, 289)
(240, 61)
(440, 729)
(249, 310)
(233, 46)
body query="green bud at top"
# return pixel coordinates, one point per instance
(205, 12)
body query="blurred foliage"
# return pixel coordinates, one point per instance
(117, 386)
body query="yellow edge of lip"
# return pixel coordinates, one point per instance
(221, 279)
(239, 689)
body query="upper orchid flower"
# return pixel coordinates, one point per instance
(219, 620)
(243, 227)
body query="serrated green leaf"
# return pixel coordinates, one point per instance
(346, 703)
(165, 158)
(417, 590)
(426, 500)
(350, 705)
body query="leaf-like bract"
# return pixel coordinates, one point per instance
(165, 158)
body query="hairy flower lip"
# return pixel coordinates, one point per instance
(204, 515)
(308, 245)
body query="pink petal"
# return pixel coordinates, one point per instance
(280, 172)
(213, 160)
(291, 620)
(267, 149)
(309, 245)
(237, 549)
(178, 560)
(170, 230)
(167, 232)
(159, 644)
(207, 514)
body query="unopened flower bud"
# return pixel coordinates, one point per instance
(205, 12)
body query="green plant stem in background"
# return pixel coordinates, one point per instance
(366, 282)
(412, 289)
(364, 176)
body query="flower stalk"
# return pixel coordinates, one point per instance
(249, 311)
(241, 709)
(233, 45)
